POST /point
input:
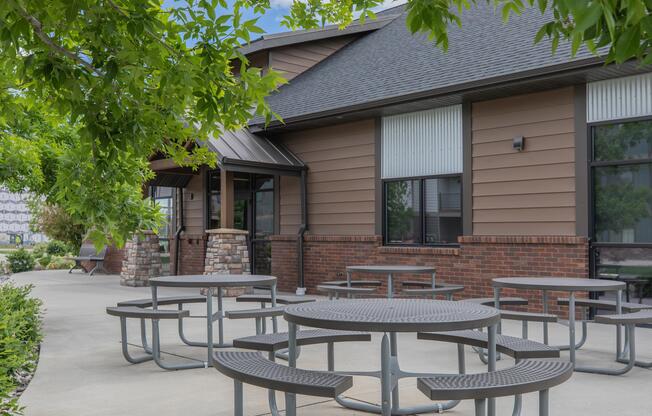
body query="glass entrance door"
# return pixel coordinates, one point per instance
(621, 193)
(253, 211)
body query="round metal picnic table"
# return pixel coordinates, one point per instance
(211, 282)
(390, 271)
(564, 284)
(390, 316)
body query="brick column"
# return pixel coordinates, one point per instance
(142, 260)
(227, 253)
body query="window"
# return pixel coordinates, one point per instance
(622, 182)
(214, 208)
(423, 211)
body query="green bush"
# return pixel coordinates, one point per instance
(20, 335)
(39, 250)
(57, 248)
(20, 261)
(44, 261)
(57, 263)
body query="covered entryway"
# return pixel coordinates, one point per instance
(241, 193)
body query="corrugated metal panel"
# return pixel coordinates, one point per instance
(422, 143)
(619, 98)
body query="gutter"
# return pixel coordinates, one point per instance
(301, 287)
(177, 234)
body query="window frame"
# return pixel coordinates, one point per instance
(422, 201)
(608, 163)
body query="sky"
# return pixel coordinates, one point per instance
(271, 21)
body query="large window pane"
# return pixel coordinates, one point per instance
(214, 208)
(623, 141)
(403, 212)
(264, 213)
(623, 201)
(443, 201)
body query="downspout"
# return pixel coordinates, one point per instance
(177, 246)
(301, 288)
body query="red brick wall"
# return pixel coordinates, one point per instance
(477, 260)
(193, 253)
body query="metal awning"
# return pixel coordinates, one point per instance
(242, 151)
(171, 179)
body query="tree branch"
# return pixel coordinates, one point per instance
(38, 30)
(149, 32)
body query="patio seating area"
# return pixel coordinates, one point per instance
(81, 370)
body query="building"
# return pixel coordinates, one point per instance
(15, 218)
(494, 158)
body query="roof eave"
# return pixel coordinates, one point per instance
(458, 88)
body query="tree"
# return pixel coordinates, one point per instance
(108, 83)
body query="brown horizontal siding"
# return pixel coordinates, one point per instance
(295, 59)
(340, 179)
(530, 192)
(194, 206)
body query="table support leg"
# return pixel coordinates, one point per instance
(209, 324)
(571, 326)
(491, 355)
(290, 398)
(390, 286)
(220, 316)
(545, 310)
(385, 381)
(619, 310)
(394, 357)
(497, 305)
(274, 319)
(434, 285)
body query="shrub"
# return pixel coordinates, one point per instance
(4, 267)
(39, 250)
(20, 261)
(44, 261)
(57, 248)
(57, 263)
(20, 335)
(56, 223)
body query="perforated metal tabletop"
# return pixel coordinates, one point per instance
(392, 315)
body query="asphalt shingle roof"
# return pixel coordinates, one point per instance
(391, 62)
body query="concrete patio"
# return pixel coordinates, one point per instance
(82, 372)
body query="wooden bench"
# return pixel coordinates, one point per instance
(125, 312)
(252, 368)
(525, 377)
(87, 252)
(349, 292)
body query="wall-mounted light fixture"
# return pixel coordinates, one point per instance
(518, 143)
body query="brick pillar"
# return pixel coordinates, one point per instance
(227, 253)
(142, 260)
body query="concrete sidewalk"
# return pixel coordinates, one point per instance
(82, 372)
